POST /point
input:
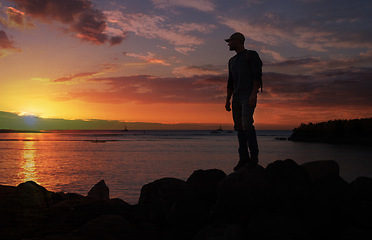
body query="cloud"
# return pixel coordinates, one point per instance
(77, 76)
(149, 57)
(190, 71)
(104, 68)
(150, 89)
(277, 56)
(79, 17)
(16, 19)
(347, 88)
(201, 5)
(156, 27)
(276, 31)
(6, 44)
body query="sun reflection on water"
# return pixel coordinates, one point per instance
(28, 168)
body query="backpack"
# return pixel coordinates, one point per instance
(251, 54)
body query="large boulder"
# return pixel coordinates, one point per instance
(110, 226)
(171, 203)
(272, 224)
(28, 210)
(320, 169)
(239, 194)
(287, 185)
(72, 213)
(219, 231)
(359, 206)
(100, 191)
(204, 183)
(327, 215)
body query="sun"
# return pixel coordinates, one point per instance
(29, 118)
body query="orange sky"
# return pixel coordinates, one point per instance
(166, 62)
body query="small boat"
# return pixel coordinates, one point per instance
(98, 141)
(219, 130)
(125, 129)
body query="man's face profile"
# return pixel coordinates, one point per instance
(232, 44)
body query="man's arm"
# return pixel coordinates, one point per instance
(253, 97)
(228, 97)
(256, 69)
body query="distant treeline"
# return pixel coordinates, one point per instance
(353, 131)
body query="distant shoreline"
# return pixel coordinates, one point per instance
(353, 131)
(20, 131)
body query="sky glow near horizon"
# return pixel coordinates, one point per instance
(165, 61)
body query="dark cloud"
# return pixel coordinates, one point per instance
(338, 88)
(343, 88)
(81, 17)
(293, 62)
(150, 89)
(6, 44)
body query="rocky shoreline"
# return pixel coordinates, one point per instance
(282, 201)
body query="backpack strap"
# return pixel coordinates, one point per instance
(249, 55)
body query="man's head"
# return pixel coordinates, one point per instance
(236, 41)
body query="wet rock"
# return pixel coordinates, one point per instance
(239, 194)
(204, 183)
(100, 191)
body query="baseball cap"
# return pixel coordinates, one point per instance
(236, 36)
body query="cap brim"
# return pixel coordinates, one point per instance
(227, 40)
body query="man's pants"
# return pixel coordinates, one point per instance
(243, 123)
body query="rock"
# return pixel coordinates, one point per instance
(72, 213)
(204, 183)
(100, 191)
(24, 209)
(359, 206)
(106, 227)
(328, 199)
(220, 231)
(268, 224)
(319, 169)
(239, 194)
(172, 203)
(287, 185)
(361, 189)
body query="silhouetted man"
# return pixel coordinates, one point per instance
(245, 78)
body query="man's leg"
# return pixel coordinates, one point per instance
(243, 146)
(242, 137)
(247, 116)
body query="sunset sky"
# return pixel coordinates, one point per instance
(165, 61)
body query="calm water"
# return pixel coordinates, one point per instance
(75, 161)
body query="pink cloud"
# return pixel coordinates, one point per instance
(149, 57)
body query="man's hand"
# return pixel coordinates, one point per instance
(227, 106)
(253, 100)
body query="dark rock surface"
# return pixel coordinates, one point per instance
(282, 201)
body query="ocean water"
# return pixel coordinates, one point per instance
(73, 161)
